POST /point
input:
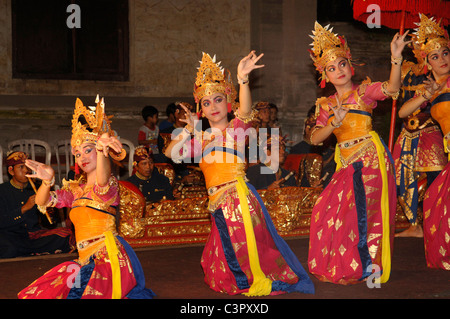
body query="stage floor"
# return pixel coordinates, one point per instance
(175, 273)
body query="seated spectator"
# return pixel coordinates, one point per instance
(153, 185)
(305, 146)
(326, 150)
(149, 133)
(170, 112)
(269, 173)
(263, 129)
(181, 170)
(263, 119)
(179, 114)
(273, 110)
(20, 231)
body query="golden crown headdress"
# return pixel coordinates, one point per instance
(429, 36)
(211, 79)
(89, 123)
(327, 47)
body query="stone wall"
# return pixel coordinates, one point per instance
(280, 29)
(166, 41)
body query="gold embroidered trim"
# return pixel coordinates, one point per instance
(102, 190)
(15, 185)
(357, 154)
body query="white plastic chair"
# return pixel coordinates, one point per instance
(128, 144)
(32, 147)
(64, 159)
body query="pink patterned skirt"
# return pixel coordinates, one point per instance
(70, 280)
(225, 259)
(436, 221)
(346, 223)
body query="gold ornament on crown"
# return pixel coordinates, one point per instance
(89, 123)
(327, 47)
(211, 79)
(429, 36)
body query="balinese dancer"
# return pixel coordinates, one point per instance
(244, 253)
(431, 42)
(107, 267)
(419, 152)
(352, 222)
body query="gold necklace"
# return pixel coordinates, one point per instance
(140, 176)
(15, 185)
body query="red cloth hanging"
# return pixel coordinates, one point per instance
(391, 11)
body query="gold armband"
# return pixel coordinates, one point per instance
(385, 91)
(242, 81)
(49, 183)
(396, 61)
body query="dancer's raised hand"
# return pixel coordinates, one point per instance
(42, 171)
(248, 64)
(339, 112)
(105, 142)
(398, 43)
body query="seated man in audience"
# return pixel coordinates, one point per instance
(269, 173)
(153, 185)
(20, 230)
(263, 119)
(305, 146)
(326, 150)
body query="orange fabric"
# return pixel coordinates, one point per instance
(354, 126)
(440, 112)
(90, 223)
(219, 173)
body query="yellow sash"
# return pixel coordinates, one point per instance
(113, 252)
(261, 286)
(386, 245)
(446, 147)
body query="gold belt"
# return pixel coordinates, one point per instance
(87, 242)
(411, 135)
(215, 189)
(351, 143)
